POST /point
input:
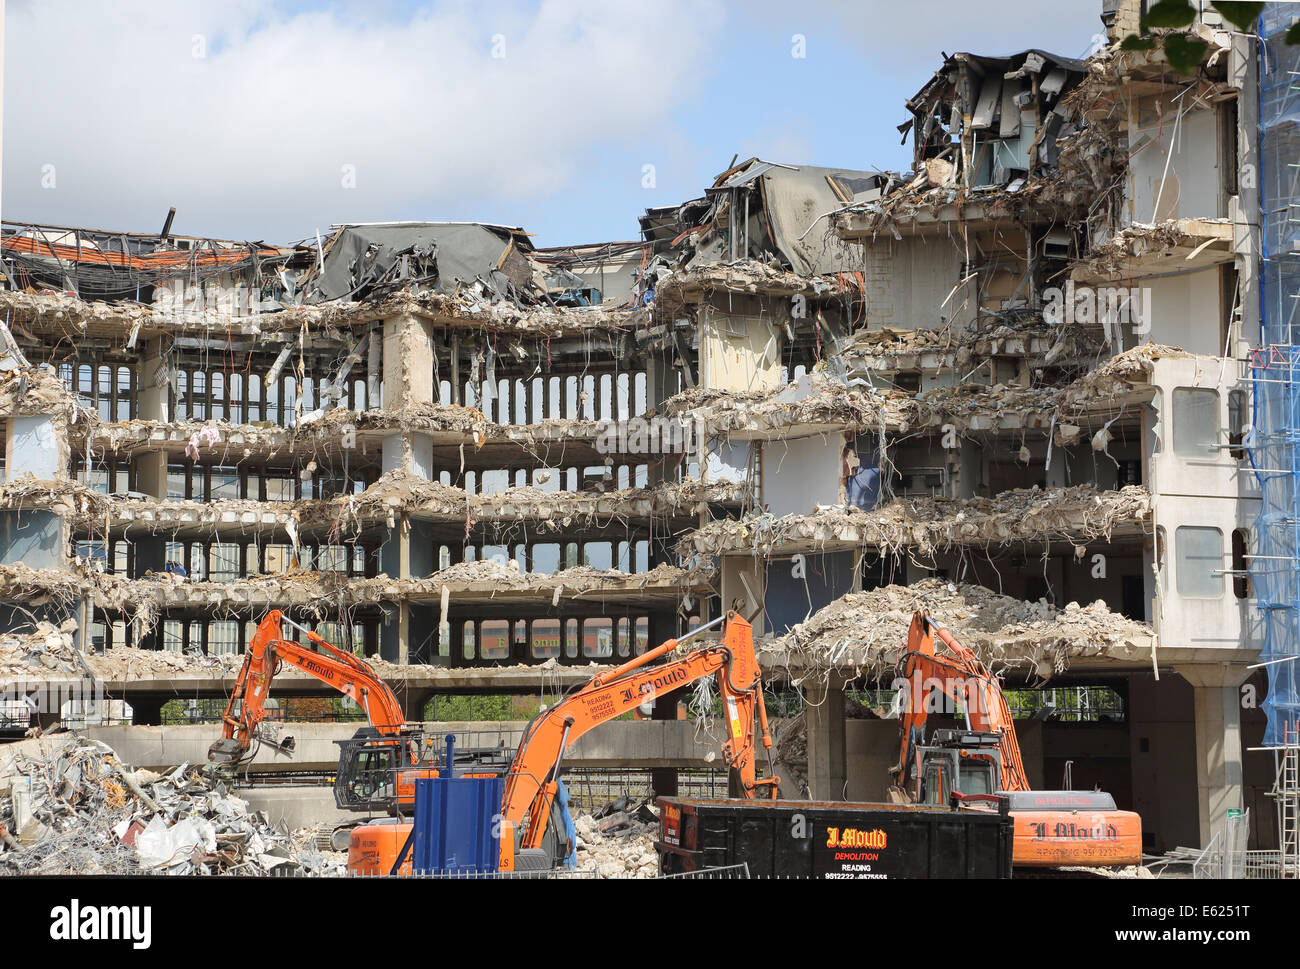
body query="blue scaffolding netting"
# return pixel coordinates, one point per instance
(1275, 368)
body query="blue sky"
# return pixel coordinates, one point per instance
(272, 120)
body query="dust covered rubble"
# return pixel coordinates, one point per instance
(867, 631)
(68, 805)
(41, 649)
(625, 849)
(1079, 513)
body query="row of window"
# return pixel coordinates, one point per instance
(228, 561)
(486, 640)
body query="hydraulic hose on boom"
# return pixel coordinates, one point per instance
(268, 651)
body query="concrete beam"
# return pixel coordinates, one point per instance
(633, 744)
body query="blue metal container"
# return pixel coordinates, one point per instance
(456, 822)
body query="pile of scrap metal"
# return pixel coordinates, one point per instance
(68, 805)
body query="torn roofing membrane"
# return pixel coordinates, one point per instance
(363, 259)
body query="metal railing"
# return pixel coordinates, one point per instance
(591, 788)
(1262, 864)
(546, 874)
(725, 872)
(1226, 855)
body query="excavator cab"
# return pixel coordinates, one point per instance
(377, 773)
(962, 761)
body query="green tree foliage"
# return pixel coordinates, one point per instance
(1183, 49)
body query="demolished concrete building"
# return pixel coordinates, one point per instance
(807, 394)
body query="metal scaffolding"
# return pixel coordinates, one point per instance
(1275, 370)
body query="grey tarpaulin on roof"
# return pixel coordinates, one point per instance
(361, 255)
(795, 199)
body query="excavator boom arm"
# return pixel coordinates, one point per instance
(346, 673)
(962, 677)
(531, 783)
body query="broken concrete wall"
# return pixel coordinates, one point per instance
(1174, 165)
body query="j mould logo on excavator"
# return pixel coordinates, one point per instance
(316, 669)
(1070, 831)
(648, 691)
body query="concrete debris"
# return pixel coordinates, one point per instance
(399, 492)
(624, 848)
(75, 808)
(127, 663)
(1145, 242)
(380, 505)
(867, 631)
(1015, 332)
(687, 287)
(40, 650)
(817, 400)
(1122, 372)
(38, 391)
(330, 433)
(1078, 515)
(65, 315)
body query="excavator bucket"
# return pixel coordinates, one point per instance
(225, 751)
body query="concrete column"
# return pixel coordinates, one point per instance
(1244, 210)
(151, 466)
(1217, 707)
(824, 716)
(408, 351)
(663, 780)
(408, 361)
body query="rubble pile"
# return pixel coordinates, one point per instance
(687, 286)
(619, 845)
(399, 492)
(868, 630)
(1116, 256)
(820, 401)
(1017, 332)
(38, 390)
(124, 663)
(40, 649)
(1122, 371)
(66, 315)
(790, 752)
(1078, 514)
(68, 805)
(64, 497)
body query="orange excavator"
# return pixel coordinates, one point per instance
(976, 766)
(378, 766)
(532, 780)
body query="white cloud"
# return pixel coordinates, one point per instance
(908, 37)
(253, 136)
